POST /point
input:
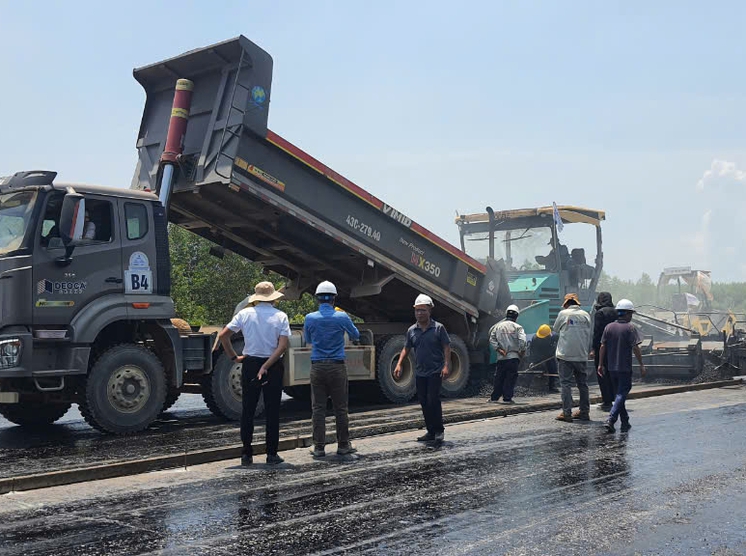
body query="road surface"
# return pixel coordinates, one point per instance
(521, 485)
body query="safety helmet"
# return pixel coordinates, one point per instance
(625, 305)
(326, 288)
(513, 309)
(423, 299)
(543, 331)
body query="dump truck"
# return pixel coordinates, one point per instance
(85, 280)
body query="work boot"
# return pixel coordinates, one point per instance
(582, 415)
(439, 437)
(246, 460)
(274, 459)
(345, 450)
(605, 406)
(429, 437)
(318, 452)
(493, 401)
(625, 426)
(508, 402)
(567, 418)
(609, 426)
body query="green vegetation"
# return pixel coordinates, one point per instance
(206, 289)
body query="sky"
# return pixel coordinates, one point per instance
(636, 108)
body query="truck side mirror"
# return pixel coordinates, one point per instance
(72, 219)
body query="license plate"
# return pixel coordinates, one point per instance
(8, 397)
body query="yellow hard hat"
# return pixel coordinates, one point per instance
(543, 331)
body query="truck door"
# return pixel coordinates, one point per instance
(61, 291)
(138, 246)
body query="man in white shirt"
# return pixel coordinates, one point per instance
(575, 331)
(266, 333)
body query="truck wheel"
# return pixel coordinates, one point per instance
(222, 390)
(172, 395)
(301, 393)
(33, 414)
(458, 382)
(124, 391)
(397, 390)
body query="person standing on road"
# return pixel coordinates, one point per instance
(432, 353)
(324, 330)
(604, 313)
(542, 349)
(508, 339)
(620, 339)
(266, 335)
(573, 325)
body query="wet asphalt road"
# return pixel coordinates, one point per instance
(675, 484)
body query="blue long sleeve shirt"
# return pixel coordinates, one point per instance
(325, 331)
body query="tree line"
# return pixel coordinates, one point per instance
(206, 289)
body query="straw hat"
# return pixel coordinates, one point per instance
(265, 291)
(571, 297)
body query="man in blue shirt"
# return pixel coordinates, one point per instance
(432, 353)
(325, 331)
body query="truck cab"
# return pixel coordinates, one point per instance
(86, 314)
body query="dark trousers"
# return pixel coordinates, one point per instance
(252, 389)
(506, 375)
(604, 382)
(329, 380)
(428, 394)
(622, 385)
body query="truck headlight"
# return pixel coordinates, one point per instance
(10, 352)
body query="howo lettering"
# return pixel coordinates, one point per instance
(114, 346)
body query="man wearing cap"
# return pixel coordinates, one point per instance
(542, 348)
(603, 313)
(508, 339)
(325, 331)
(620, 339)
(575, 334)
(266, 333)
(432, 353)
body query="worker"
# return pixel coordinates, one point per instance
(620, 339)
(432, 354)
(603, 313)
(324, 330)
(542, 348)
(89, 227)
(573, 325)
(266, 335)
(508, 339)
(549, 261)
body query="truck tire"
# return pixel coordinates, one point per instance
(33, 414)
(222, 391)
(301, 393)
(125, 390)
(172, 396)
(399, 390)
(459, 381)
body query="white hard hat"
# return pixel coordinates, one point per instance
(512, 309)
(326, 288)
(625, 305)
(423, 299)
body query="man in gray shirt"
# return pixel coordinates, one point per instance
(575, 331)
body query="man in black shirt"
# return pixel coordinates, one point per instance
(604, 313)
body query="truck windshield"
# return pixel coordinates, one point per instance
(518, 248)
(15, 215)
